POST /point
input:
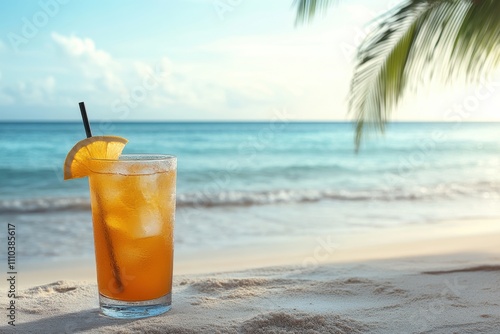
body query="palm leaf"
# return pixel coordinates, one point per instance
(307, 9)
(418, 41)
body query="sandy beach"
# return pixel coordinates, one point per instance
(417, 283)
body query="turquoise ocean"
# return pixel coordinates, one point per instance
(247, 183)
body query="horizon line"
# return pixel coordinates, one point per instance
(238, 121)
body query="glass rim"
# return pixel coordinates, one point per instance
(139, 157)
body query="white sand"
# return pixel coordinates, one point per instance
(418, 284)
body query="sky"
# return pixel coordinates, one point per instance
(198, 60)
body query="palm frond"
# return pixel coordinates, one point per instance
(422, 40)
(307, 9)
(477, 46)
(419, 41)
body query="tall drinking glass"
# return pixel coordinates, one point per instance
(133, 211)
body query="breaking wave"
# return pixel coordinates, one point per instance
(249, 198)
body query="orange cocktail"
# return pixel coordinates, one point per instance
(133, 209)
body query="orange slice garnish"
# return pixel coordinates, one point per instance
(99, 147)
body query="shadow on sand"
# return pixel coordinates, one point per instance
(66, 323)
(463, 270)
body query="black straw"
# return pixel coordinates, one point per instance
(86, 123)
(109, 243)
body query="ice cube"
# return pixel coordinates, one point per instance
(149, 224)
(148, 186)
(110, 187)
(115, 221)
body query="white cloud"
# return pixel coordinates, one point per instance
(105, 75)
(102, 71)
(134, 87)
(38, 92)
(167, 84)
(82, 48)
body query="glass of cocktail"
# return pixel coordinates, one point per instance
(133, 213)
(133, 210)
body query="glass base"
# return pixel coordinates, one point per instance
(133, 310)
